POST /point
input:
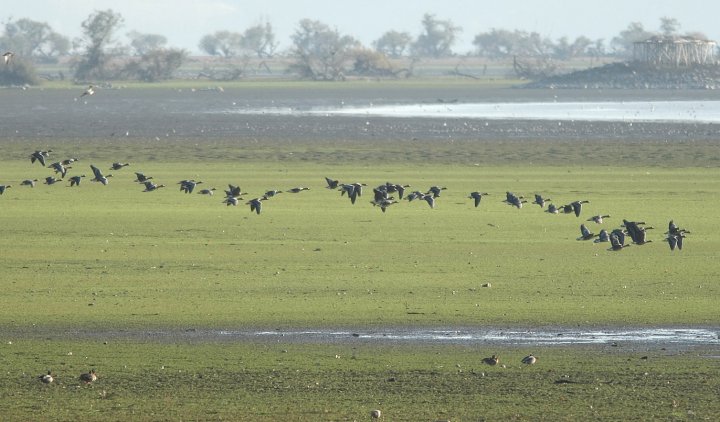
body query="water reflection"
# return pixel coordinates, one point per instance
(631, 111)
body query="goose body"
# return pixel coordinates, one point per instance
(75, 180)
(540, 200)
(7, 57)
(40, 156)
(529, 360)
(99, 176)
(29, 182)
(477, 197)
(118, 166)
(47, 378)
(256, 204)
(585, 233)
(492, 360)
(141, 178)
(3, 187)
(597, 218)
(89, 91)
(332, 184)
(88, 377)
(298, 189)
(150, 186)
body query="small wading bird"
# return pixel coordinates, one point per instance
(8, 56)
(492, 360)
(88, 377)
(477, 196)
(47, 378)
(529, 360)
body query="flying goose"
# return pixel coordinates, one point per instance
(616, 242)
(271, 193)
(150, 186)
(552, 209)
(99, 177)
(298, 189)
(383, 203)
(29, 182)
(59, 168)
(40, 156)
(210, 191)
(435, 190)
(540, 200)
(577, 207)
(477, 196)
(585, 233)
(256, 204)
(118, 166)
(141, 178)
(89, 91)
(675, 241)
(75, 180)
(598, 218)
(188, 186)
(602, 237)
(3, 187)
(332, 184)
(51, 180)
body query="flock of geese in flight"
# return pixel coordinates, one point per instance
(383, 198)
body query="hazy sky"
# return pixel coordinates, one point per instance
(184, 22)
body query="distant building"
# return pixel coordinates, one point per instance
(674, 51)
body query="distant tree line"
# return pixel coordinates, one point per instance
(318, 51)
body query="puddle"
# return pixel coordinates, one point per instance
(666, 336)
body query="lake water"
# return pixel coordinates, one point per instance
(631, 111)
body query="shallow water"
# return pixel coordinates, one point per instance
(541, 337)
(613, 111)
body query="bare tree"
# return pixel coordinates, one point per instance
(145, 43)
(29, 38)
(155, 65)
(98, 31)
(393, 43)
(222, 43)
(437, 37)
(623, 43)
(260, 39)
(669, 26)
(321, 53)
